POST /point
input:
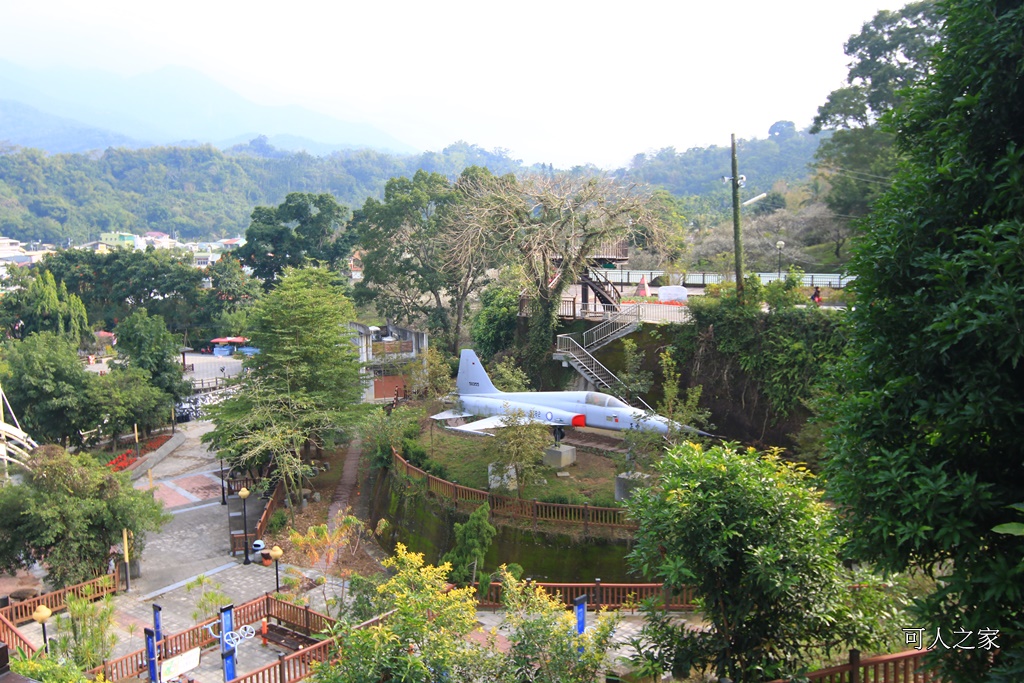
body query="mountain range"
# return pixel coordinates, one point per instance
(63, 110)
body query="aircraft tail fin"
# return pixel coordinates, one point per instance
(473, 378)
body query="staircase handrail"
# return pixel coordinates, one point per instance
(607, 285)
(600, 334)
(566, 344)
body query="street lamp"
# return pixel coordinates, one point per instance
(223, 484)
(243, 494)
(275, 555)
(40, 616)
(780, 245)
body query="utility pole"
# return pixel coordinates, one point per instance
(736, 239)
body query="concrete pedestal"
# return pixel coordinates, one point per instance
(560, 456)
(626, 482)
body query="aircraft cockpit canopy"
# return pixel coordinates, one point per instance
(604, 400)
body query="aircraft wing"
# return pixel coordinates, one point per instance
(450, 415)
(497, 422)
(491, 422)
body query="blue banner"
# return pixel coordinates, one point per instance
(151, 653)
(581, 614)
(227, 652)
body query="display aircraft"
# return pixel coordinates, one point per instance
(559, 409)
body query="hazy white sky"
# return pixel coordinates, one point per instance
(560, 81)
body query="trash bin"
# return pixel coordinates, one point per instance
(258, 546)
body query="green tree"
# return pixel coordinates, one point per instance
(423, 638)
(472, 540)
(37, 303)
(145, 343)
(232, 289)
(408, 268)
(304, 227)
(48, 388)
(494, 326)
(124, 399)
(549, 228)
(891, 52)
(303, 388)
(926, 451)
(68, 513)
(752, 535)
(430, 376)
(113, 285)
(518, 446)
(545, 647)
(507, 375)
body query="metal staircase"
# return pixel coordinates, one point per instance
(601, 286)
(571, 351)
(619, 324)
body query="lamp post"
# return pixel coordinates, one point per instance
(780, 245)
(275, 555)
(40, 615)
(243, 494)
(223, 485)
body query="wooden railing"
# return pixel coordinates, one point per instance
(299, 665)
(276, 500)
(516, 508)
(21, 612)
(600, 595)
(901, 667)
(266, 606)
(10, 635)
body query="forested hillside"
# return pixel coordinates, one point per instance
(199, 193)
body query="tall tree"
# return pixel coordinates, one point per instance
(927, 453)
(68, 513)
(754, 538)
(145, 343)
(891, 52)
(305, 381)
(48, 388)
(36, 303)
(550, 228)
(407, 268)
(303, 227)
(114, 284)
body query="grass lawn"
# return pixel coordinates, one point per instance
(464, 457)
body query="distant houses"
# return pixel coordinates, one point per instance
(13, 252)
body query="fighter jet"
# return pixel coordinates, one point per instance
(560, 409)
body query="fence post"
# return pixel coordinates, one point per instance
(282, 673)
(534, 514)
(307, 620)
(855, 666)
(597, 593)
(586, 518)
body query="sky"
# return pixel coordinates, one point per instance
(552, 81)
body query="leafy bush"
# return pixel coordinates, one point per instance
(277, 521)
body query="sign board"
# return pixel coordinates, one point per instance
(581, 613)
(175, 666)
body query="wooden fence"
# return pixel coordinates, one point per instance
(297, 665)
(614, 596)
(238, 540)
(21, 612)
(505, 506)
(901, 667)
(10, 635)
